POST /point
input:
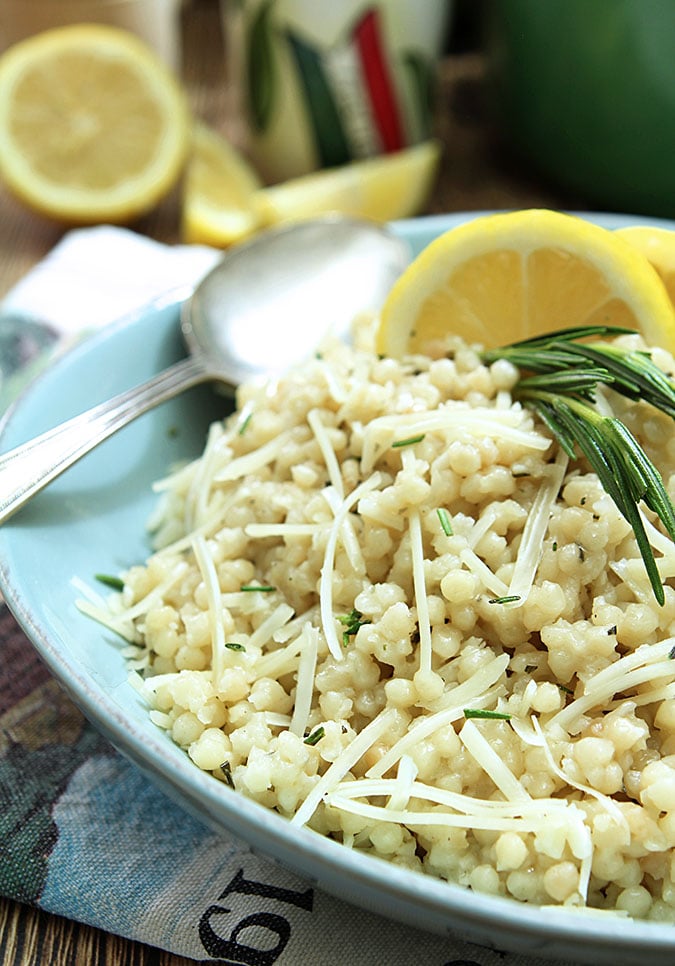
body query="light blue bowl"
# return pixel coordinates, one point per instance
(92, 520)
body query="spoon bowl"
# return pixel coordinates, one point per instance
(265, 306)
(272, 300)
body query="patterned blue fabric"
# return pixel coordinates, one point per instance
(85, 835)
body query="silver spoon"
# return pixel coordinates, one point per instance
(266, 305)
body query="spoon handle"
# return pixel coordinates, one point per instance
(24, 471)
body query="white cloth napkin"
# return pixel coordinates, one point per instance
(93, 276)
(124, 858)
(96, 275)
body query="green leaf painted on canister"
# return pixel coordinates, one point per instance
(420, 74)
(261, 68)
(331, 143)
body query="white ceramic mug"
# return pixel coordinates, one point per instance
(322, 83)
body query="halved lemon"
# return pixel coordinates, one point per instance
(93, 126)
(658, 247)
(219, 194)
(505, 277)
(383, 188)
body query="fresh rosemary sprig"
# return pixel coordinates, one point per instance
(565, 374)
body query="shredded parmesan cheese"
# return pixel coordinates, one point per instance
(327, 451)
(253, 461)
(421, 603)
(305, 683)
(266, 631)
(491, 763)
(529, 551)
(453, 421)
(442, 818)
(339, 768)
(478, 567)
(645, 664)
(326, 592)
(474, 693)
(210, 578)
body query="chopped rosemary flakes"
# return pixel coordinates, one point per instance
(410, 441)
(116, 583)
(235, 646)
(446, 523)
(482, 713)
(315, 736)
(226, 769)
(263, 588)
(351, 623)
(507, 599)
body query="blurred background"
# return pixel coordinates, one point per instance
(563, 104)
(566, 103)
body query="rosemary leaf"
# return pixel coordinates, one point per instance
(547, 411)
(116, 583)
(634, 374)
(445, 521)
(565, 372)
(483, 713)
(580, 382)
(409, 441)
(655, 495)
(576, 332)
(571, 334)
(315, 736)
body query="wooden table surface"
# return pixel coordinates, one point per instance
(477, 173)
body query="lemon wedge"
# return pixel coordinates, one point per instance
(505, 277)
(219, 194)
(224, 200)
(93, 126)
(382, 188)
(658, 247)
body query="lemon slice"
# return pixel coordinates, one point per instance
(93, 126)
(505, 277)
(383, 188)
(658, 247)
(219, 197)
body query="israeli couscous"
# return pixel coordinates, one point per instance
(384, 604)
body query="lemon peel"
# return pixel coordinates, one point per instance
(93, 126)
(220, 204)
(504, 277)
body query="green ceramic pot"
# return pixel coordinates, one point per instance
(585, 89)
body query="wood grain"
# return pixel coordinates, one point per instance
(29, 937)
